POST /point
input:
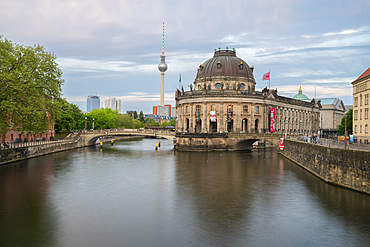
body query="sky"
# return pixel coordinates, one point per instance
(112, 48)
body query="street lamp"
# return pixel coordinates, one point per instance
(85, 124)
(226, 126)
(93, 124)
(345, 132)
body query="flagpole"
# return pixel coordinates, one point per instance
(269, 79)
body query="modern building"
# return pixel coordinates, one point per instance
(361, 122)
(223, 98)
(113, 104)
(93, 102)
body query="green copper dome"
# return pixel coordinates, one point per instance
(300, 95)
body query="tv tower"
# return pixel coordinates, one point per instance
(162, 68)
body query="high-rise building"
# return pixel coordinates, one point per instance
(361, 105)
(113, 104)
(93, 102)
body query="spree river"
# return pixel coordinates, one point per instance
(131, 195)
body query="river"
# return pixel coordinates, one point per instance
(131, 195)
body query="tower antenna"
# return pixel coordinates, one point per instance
(163, 41)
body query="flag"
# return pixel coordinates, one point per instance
(266, 76)
(180, 78)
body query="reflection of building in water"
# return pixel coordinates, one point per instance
(223, 98)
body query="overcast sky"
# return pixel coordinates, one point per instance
(113, 47)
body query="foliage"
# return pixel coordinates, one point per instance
(341, 128)
(165, 124)
(125, 121)
(135, 114)
(173, 122)
(104, 118)
(150, 122)
(67, 117)
(30, 88)
(141, 117)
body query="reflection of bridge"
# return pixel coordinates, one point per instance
(91, 137)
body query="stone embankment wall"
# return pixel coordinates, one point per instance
(14, 154)
(348, 168)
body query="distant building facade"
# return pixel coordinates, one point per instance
(331, 114)
(93, 102)
(113, 104)
(361, 92)
(166, 111)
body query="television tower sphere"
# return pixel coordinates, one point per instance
(162, 66)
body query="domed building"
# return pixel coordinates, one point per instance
(300, 95)
(223, 99)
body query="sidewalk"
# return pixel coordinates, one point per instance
(340, 144)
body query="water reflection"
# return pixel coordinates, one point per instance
(130, 195)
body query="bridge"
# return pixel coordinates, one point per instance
(92, 137)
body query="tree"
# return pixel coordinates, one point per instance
(341, 128)
(135, 114)
(30, 88)
(104, 118)
(141, 117)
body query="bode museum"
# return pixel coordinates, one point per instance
(223, 99)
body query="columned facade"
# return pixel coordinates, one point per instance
(223, 99)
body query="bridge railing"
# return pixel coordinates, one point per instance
(10, 145)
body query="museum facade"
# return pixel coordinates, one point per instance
(223, 99)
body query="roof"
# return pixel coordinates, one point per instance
(301, 96)
(225, 63)
(363, 75)
(335, 102)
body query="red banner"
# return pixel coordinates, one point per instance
(281, 144)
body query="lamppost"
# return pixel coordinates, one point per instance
(93, 124)
(286, 127)
(345, 132)
(85, 124)
(226, 126)
(243, 125)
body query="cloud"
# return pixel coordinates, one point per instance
(345, 32)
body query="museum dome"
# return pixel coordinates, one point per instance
(225, 63)
(300, 95)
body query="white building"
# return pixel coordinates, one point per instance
(113, 104)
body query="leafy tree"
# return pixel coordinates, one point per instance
(165, 124)
(104, 118)
(173, 122)
(135, 114)
(141, 117)
(341, 128)
(30, 88)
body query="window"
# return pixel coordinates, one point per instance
(187, 108)
(245, 108)
(218, 85)
(355, 114)
(242, 86)
(360, 128)
(198, 108)
(360, 114)
(257, 109)
(366, 99)
(366, 128)
(213, 107)
(360, 100)
(366, 113)
(356, 101)
(198, 86)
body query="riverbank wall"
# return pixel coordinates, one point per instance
(26, 152)
(343, 167)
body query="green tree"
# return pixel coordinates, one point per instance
(173, 122)
(104, 118)
(135, 114)
(141, 117)
(165, 124)
(341, 128)
(30, 88)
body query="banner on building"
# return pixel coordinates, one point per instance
(213, 116)
(229, 116)
(272, 120)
